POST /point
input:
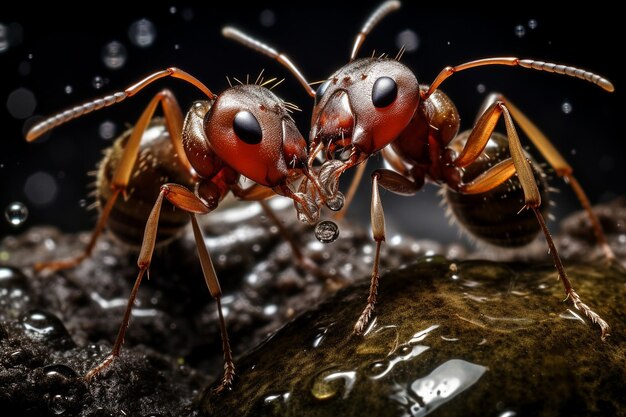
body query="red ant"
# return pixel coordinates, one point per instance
(247, 131)
(376, 104)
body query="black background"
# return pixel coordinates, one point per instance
(66, 50)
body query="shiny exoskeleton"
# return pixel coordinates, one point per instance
(376, 104)
(193, 162)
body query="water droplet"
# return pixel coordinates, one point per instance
(21, 103)
(326, 231)
(566, 107)
(97, 82)
(329, 383)
(23, 68)
(12, 278)
(58, 404)
(4, 38)
(519, 31)
(114, 55)
(481, 88)
(41, 325)
(408, 39)
(267, 18)
(59, 372)
(16, 213)
(532, 24)
(142, 33)
(335, 203)
(41, 188)
(107, 130)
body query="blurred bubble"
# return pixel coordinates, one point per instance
(16, 213)
(68, 89)
(187, 13)
(532, 24)
(409, 39)
(97, 82)
(114, 55)
(566, 107)
(23, 68)
(176, 46)
(41, 188)
(173, 9)
(519, 31)
(142, 33)
(481, 88)
(107, 130)
(21, 103)
(4, 38)
(267, 18)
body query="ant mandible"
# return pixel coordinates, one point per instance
(376, 104)
(245, 131)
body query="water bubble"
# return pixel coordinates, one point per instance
(59, 372)
(23, 68)
(142, 33)
(481, 88)
(107, 130)
(68, 89)
(532, 24)
(4, 38)
(519, 31)
(114, 55)
(58, 404)
(566, 107)
(21, 103)
(12, 278)
(97, 82)
(187, 13)
(409, 39)
(326, 231)
(267, 18)
(41, 188)
(16, 213)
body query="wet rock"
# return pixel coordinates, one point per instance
(471, 338)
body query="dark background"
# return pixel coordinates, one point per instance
(58, 50)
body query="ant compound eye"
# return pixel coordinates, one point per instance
(384, 92)
(321, 90)
(247, 128)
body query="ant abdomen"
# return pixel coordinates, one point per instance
(156, 164)
(496, 217)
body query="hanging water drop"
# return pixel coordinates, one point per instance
(16, 213)
(326, 231)
(114, 55)
(142, 33)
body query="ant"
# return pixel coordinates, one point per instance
(246, 131)
(375, 104)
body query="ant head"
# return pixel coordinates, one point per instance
(365, 104)
(251, 130)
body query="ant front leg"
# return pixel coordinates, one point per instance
(398, 184)
(121, 177)
(184, 199)
(496, 175)
(558, 163)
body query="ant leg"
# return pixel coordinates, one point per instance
(396, 183)
(184, 199)
(560, 166)
(121, 177)
(473, 148)
(354, 185)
